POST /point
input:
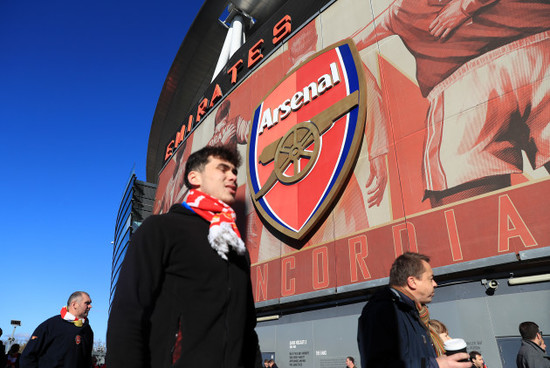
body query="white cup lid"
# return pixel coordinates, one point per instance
(454, 344)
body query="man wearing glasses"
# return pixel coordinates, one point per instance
(532, 352)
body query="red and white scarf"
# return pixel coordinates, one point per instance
(67, 316)
(223, 231)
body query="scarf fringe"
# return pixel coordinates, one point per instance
(222, 236)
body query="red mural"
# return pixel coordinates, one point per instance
(455, 155)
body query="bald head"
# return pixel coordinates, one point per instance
(79, 304)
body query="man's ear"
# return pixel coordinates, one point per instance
(411, 282)
(194, 178)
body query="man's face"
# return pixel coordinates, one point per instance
(539, 340)
(478, 361)
(349, 364)
(218, 179)
(82, 306)
(425, 285)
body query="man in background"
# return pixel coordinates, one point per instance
(350, 362)
(64, 340)
(532, 353)
(393, 326)
(477, 359)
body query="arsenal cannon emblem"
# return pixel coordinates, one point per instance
(304, 140)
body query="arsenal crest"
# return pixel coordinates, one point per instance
(304, 139)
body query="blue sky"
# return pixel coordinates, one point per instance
(79, 83)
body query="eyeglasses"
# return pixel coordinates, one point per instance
(540, 332)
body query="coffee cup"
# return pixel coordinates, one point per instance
(454, 346)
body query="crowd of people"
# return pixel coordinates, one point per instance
(184, 299)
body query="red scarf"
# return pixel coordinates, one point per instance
(67, 316)
(223, 230)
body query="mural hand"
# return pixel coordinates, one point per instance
(379, 171)
(448, 19)
(228, 133)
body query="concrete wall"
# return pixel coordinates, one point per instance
(324, 337)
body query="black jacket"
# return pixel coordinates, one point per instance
(177, 301)
(57, 343)
(2, 354)
(391, 334)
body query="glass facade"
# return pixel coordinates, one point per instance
(136, 206)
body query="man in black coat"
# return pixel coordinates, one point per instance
(64, 340)
(184, 295)
(393, 329)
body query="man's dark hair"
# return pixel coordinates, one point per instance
(528, 330)
(407, 264)
(473, 355)
(199, 159)
(351, 359)
(74, 296)
(14, 349)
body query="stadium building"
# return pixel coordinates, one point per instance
(136, 205)
(371, 128)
